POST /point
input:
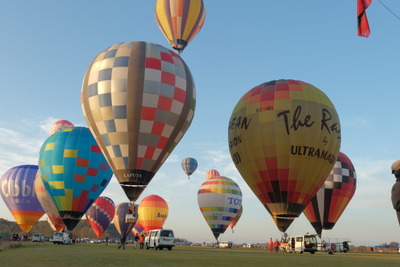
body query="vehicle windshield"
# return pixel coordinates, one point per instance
(58, 234)
(166, 233)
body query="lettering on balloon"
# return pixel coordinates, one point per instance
(159, 215)
(312, 152)
(235, 201)
(10, 188)
(235, 141)
(298, 120)
(133, 175)
(240, 122)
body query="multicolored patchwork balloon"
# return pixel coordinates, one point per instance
(180, 21)
(189, 165)
(53, 217)
(138, 99)
(138, 229)
(153, 212)
(284, 138)
(17, 191)
(326, 207)
(123, 227)
(219, 199)
(74, 172)
(100, 215)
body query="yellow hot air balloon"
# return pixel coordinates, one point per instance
(284, 138)
(153, 212)
(138, 99)
(180, 20)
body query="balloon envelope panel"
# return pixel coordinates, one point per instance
(211, 174)
(17, 191)
(60, 125)
(74, 172)
(153, 212)
(219, 200)
(100, 215)
(326, 207)
(54, 219)
(284, 138)
(138, 99)
(180, 21)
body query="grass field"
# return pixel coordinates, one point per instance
(47, 254)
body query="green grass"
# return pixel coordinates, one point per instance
(48, 254)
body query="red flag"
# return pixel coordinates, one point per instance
(363, 26)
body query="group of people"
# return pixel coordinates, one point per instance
(138, 239)
(274, 245)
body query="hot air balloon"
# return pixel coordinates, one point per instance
(100, 215)
(284, 138)
(138, 229)
(54, 219)
(219, 200)
(138, 99)
(237, 217)
(334, 195)
(180, 21)
(60, 125)
(123, 227)
(74, 172)
(189, 165)
(153, 212)
(211, 174)
(17, 191)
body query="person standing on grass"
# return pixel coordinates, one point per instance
(141, 241)
(271, 245)
(276, 245)
(122, 242)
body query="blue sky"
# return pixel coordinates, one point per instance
(48, 45)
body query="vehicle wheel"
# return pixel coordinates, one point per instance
(312, 252)
(155, 248)
(169, 248)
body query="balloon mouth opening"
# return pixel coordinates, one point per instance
(286, 216)
(133, 185)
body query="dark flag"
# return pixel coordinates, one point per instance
(363, 26)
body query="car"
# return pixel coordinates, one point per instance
(62, 238)
(37, 237)
(225, 244)
(159, 239)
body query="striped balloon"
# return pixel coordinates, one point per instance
(189, 165)
(119, 220)
(220, 199)
(212, 173)
(100, 215)
(180, 21)
(153, 212)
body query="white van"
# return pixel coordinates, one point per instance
(159, 239)
(225, 244)
(302, 243)
(62, 238)
(37, 238)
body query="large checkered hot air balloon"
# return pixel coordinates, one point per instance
(100, 215)
(138, 99)
(326, 207)
(74, 172)
(284, 138)
(180, 21)
(17, 191)
(219, 199)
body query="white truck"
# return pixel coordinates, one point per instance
(37, 237)
(62, 238)
(159, 239)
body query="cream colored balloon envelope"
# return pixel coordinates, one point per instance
(219, 199)
(284, 138)
(138, 99)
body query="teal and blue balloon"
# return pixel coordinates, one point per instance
(74, 172)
